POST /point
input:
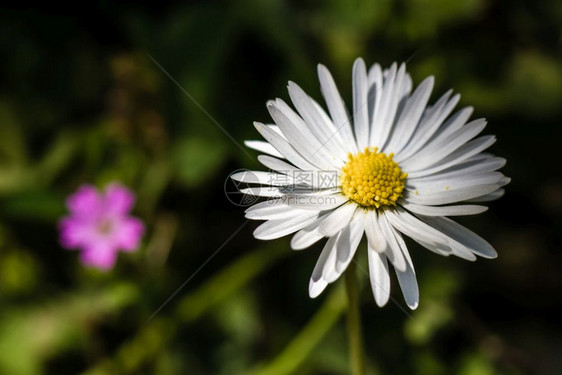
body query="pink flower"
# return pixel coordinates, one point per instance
(99, 224)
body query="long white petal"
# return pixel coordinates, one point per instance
(305, 238)
(264, 178)
(333, 133)
(348, 246)
(318, 122)
(336, 107)
(379, 276)
(316, 203)
(328, 225)
(428, 236)
(409, 286)
(375, 79)
(299, 135)
(410, 116)
(284, 147)
(360, 107)
(394, 252)
(419, 231)
(385, 119)
(317, 283)
(263, 191)
(382, 106)
(459, 210)
(272, 209)
(319, 179)
(471, 240)
(264, 147)
(461, 154)
(335, 221)
(473, 166)
(431, 124)
(488, 197)
(278, 192)
(452, 183)
(374, 232)
(439, 149)
(278, 165)
(448, 196)
(277, 228)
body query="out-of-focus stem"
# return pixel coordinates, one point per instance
(354, 322)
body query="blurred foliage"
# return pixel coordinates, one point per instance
(82, 100)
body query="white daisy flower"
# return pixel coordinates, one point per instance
(397, 166)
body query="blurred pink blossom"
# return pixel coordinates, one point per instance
(99, 224)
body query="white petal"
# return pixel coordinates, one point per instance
(305, 238)
(318, 122)
(488, 197)
(263, 191)
(299, 136)
(320, 179)
(448, 196)
(277, 228)
(426, 186)
(329, 273)
(264, 178)
(333, 133)
(419, 231)
(400, 241)
(336, 220)
(409, 286)
(394, 252)
(317, 283)
(461, 154)
(315, 288)
(406, 87)
(392, 93)
(278, 165)
(468, 209)
(471, 240)
(373, 231)
(336, 107)
(431, 238)
(440, 148)
(379, 276)
(381, 106)
(284, 147)
(375, 79)
(473, 166)
(316, 203)
(327, 225)
(279, 192)
(264, 147)
(360, 108)
(348, 242)
(271, 209)
(432, 125)
(410, 116)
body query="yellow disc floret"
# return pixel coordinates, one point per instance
(372, 179)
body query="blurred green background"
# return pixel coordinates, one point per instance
(81, 101)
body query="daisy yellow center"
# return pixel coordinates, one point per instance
(372, 179)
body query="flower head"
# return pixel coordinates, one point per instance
(401, 167)
(99, 224)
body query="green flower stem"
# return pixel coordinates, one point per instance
(354, 322)
(299, 349)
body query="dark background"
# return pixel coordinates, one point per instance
(81, 101)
